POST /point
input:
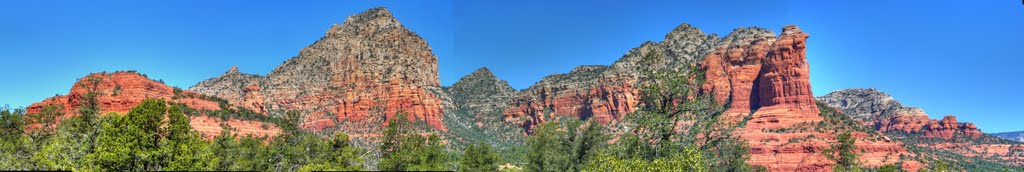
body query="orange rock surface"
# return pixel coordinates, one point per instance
(211, 127)
(784, 92)
(118, 92)
(733, 68)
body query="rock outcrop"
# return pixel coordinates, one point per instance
(359, 75)
(784, 88)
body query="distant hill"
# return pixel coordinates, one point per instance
(1017, 136)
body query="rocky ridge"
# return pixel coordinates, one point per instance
(944, 138)
(607, 93)
(882, 111)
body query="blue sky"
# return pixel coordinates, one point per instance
(961, 58)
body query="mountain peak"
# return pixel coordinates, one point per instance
(791, 29)
(372, 19)
(234, 69)
(483, 71)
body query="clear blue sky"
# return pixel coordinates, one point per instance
(961, 58)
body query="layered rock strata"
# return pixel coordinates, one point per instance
(360, 74)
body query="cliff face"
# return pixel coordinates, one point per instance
(607, 92)
(121, 91)
(733, 67)
(785, 79)
(360, 74)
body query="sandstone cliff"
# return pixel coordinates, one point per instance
(353, 79)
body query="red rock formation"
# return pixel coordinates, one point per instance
(609, 99)
(253, 99)
(734, 66)
(211, 127)
(785, 90)
(121, 91)
(906, 120)
(948, 126)
(118, 92)
(782, 133)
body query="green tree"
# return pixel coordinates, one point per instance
(564, 146)
(843, 153)
(547, 149)
(402, 150)
(130, 142)
(181, 148)
(479, 157)
(688, 160)
(15, 145)
(889, 168)
(74, 137)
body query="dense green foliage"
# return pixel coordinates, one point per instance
(403, 150)
(479, 158)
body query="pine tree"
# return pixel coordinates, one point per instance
(479, 157)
